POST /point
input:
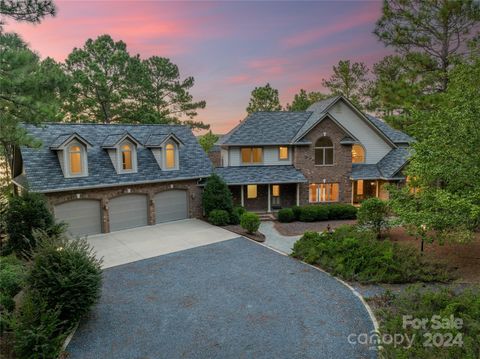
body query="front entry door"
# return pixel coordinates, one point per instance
(275, 196)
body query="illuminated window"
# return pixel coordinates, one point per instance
(252, 191)
(283, 153)
(360, 187)
(75, 153)
(170, 156)
(276, 190)
(324, 151)
(358, 154)
(252, 155)
(127, 157)
(323, 192)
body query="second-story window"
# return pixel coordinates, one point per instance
(252, 155)
(127, 163)
(283, 153)
(75, 159)
(324, 151)
(358, 154)
(170, 156)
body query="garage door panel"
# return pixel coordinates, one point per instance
(83, 217)
(171, 206)
(128, 211)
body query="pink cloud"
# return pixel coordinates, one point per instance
(340, 25)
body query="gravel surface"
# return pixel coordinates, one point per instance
(232, 299)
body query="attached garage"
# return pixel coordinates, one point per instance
(171, 206)
(83, 216)
(128, 211)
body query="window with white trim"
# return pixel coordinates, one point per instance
(127, 161)
(283, 153)
(126, 157)
(75, 159)
(324, 151)
(358, 154)
(251, 191)
(171, 156)
(323, 192)
(252, 155)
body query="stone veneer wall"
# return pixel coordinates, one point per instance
(339, 172)
(105, 194)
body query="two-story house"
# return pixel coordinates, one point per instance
(105, 177)
(332, 152)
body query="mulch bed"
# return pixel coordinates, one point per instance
(464, 257)
(298, 228)
(259, 237)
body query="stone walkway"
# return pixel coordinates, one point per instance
(275, 240)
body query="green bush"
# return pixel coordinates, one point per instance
(12, 279)
(308, 214)
(286, 215)
(340, 211)
(296, 212)
(321, 213)
(216, 195)
(236, 215)
(23, 215)
(250, 222)
(419, 303)
(38, 330)
(67, 275)
(373, 214)
(355, 254)
(219, 217)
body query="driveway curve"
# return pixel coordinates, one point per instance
(232, 299)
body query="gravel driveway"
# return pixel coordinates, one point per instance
(232, 299)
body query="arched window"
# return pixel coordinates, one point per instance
(324, 151)
(127, 163)
(170, 155)
(75, 159)
(358, 154)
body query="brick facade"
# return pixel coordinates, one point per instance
(194, 197)
(260, 204)
(339, 172)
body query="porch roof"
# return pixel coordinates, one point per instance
(260, 174)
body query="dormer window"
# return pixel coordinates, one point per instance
(358, 154)
(127, 163)
(170, 156)
(165, 148)
(75, 159)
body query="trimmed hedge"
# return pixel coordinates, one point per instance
(250, 222)
(321, 212)
(236, 215)
(286, 215)
(219, 217)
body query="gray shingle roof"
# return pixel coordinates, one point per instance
(260, 174)
(44, 173)
(156, 139)
(386, 168)
(113, 139)
(394, 135)
(265, 128)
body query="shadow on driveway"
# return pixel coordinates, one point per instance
(232, 299)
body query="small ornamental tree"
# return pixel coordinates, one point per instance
(216, 195)
(373, 214)
(24, 214)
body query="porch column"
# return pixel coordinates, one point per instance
(353, 189)
(377, 189)
(298, 194)
(269, 207)
(242, 200)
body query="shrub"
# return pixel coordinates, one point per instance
(286, 215)
(373, 214)
(38, 330)
(23, 215)
(12, 279)
(66, 273)
(355, 254)
(308, 214)
(219, 217)
(236, 215)
(250, 222)
(296, 212)
(216, 195)
(339, 211)
(419, 303)
(321, 213)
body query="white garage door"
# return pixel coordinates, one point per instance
(170, 206)
(82, 216)
(128, 211)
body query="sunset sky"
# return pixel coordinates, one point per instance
(229, 47)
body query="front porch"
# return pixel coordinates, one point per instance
(363, 189)
(266, 197)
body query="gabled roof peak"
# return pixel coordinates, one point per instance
(66, 138)
(114, 139)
